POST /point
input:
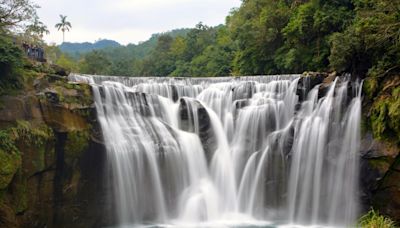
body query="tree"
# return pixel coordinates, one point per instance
(64, 25)
(307, 34)
(14, 12)
(95, 62)
(36, 30)
(10, 61)
(160, 61)
(256, 28)
(67, 62)
(371, 44)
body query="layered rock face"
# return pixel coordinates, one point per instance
(51, 156)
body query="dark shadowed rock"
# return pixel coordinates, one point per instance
(59, 70)
(379, 176)
(307, 81)
(243, 91)
(187, 108)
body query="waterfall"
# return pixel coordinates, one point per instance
(221, 152)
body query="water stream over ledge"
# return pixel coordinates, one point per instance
(259, 151)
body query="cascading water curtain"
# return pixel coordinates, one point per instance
(259, 150)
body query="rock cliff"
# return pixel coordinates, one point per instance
(51, 155)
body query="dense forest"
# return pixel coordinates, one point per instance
(260, 37)
(265, 37)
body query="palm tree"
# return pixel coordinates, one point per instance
(64, 25)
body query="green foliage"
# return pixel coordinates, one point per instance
(95, 62)
(10, 159)
(37, 136)
(256, 27)
(35, 31)
(307, 35)
(385, 117)
(268, 37)
(9, 164)
(73, 94)
(77, 142)
(11, 61)
(374, 220)
(63, 25)
(14, 12)
(7, 143)
(370, 87)
(67, 62)
(371, 44)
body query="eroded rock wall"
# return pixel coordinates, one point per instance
(52, 161)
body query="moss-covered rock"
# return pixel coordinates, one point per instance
(10, 159)
(380, 173)
(9, 164)
(65, 106)
(35, 141)
(20, 192)
(370, 87)
(385, 114)
(77, 142)
(50, 166)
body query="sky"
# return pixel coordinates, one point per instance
(128, 21)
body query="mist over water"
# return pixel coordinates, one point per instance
(261, 151)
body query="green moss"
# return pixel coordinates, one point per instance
(385, 117)
(378, 119)
(74, 93)
(394, 111)
(39, 162)
(22, 136)
(381, 163)
(374, 220)
(370, 87)
(10, 159)
(77, 142)
(37, 136)
(20, 193)
(9, 164)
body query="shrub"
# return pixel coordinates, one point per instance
(374, 220)
(11, 59)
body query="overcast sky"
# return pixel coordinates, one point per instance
(129, 21)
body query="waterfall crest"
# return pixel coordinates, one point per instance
(230, 151)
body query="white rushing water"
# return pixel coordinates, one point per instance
(222, 152)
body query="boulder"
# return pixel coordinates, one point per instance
(187, 107)
(307, 81)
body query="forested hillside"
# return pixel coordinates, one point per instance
(77, 49)
(267, 37)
